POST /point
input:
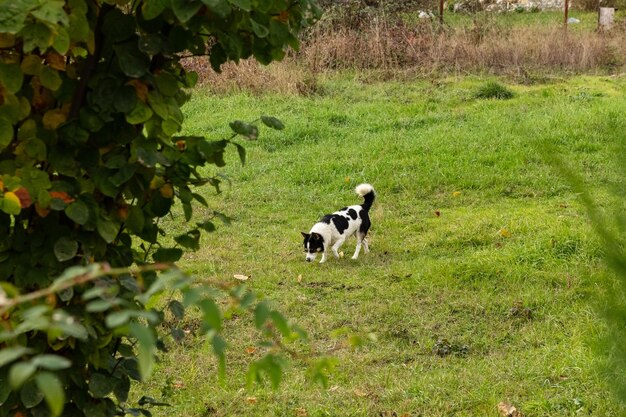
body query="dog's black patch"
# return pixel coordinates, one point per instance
(315, 243)
(365, 222)
(352, 213)
(341, 223)
(326, 219)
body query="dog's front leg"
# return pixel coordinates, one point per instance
(323, 257)
(336, 247)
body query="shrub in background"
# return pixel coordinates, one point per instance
(493, 90)
(90, 160)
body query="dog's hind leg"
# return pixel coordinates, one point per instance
(360, 240)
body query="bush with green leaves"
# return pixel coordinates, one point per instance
(91, 159)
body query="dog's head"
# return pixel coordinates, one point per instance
(313, 243)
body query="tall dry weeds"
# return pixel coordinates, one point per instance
(427, 49)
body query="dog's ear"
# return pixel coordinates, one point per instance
(316, 236)
(305, 235)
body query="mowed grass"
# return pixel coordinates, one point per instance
(477, 245)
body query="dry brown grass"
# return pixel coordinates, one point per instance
(425, 49)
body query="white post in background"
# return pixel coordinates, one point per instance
(605, 18)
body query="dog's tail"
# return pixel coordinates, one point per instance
(367, 192)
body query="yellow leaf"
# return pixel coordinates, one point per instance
(53, 119)
(10, 204)
(456, 193)
(504, 232)
(251, 400)
(156, 182)
(301, 412)
(241, 277)
(167, 191)
(347, 180)
(299, 278)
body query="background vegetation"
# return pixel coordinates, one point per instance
(484, 277)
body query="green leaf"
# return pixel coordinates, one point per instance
(261, 314)
(107, 229)
(140, 114)
(167, 255)
(30, 395)
(260, 30)
(245, 129)
(12, 16)
(52, 390)
(78, 212)
(101, 385)
(51, 362)
(135, 220)
(8, 355)
(177, 309)
(147, 345)
(117, 319)
(242, 4)
(272, 122)
(6, 133)
(281, 323)
(150, 43)
(220, 7)
(131, 60)
(185, 9)
(11, 77)
(65, 249)
(153, 8)
(118, 26)
(167, 83)
(50, 78)
(219, 348)
(20, 372)
(51, 11)
(61, 41)
(78, 29)
(36, 35)
(211, 314)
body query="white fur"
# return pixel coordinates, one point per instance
(363, 189)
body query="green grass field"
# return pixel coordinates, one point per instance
(484, 271)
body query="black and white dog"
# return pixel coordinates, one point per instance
(333, 229)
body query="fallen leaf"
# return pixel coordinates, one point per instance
(347, 180)
(301, 412)
(508, 410)
(250, 350)
(299, 278)
(360, 393)
(333, 388)
(251, 400)
(341, 254)
(456, 193)
(178, 384)
(504, 232)
(241, 277)
(437, 213)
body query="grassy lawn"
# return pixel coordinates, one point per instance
(478, 249)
